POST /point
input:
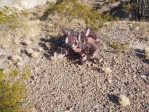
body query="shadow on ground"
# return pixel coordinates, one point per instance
(113, 98)
(140, 54)
(51, 45)
(55, 44)
(119, 12)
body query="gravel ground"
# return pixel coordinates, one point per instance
(59, 85)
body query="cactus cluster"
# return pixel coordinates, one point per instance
(84, 44)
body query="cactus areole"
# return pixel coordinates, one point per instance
(84, 44)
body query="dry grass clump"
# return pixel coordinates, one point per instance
(29, 30)
(123, 100)
(12, 17)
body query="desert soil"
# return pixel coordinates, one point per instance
(60, 85)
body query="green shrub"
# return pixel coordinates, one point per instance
(12, 17)
(8, 15)
(117, 46)
(12, 89)
(127, 7)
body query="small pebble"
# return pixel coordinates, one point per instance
(146, 50)
(27, 42)
(35, 55)
(107, 70)
(16, 58)
(137, 28)
(131, 25)
(29, 50)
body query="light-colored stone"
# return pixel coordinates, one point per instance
(57, 56)
(137, 28)
(40, 49)
(70, 110)
(27, 42)
(131, 25)
(16, 58)
(35, 55)
(146, 50)
(29, 50)
(16, 41)
(107, 70)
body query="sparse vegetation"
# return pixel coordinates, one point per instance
(72, 10)
(127, 8)
(7, 18)
(100, 66)
(117, 46)
(11, 16)
(12, 89)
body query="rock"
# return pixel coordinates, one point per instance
(18, 50)
(133, 22)
(16, 41)
(123, 100)
(137, 28)
(131, 25)
(27, 42)
(29, 50)
(16, 58)
(57, 56)
(146, 50)
(40, 49)
(20, 64)
(35, 55)
(107, 70)
(109, 80)
(70, 110)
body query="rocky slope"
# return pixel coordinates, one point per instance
(61, 85)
